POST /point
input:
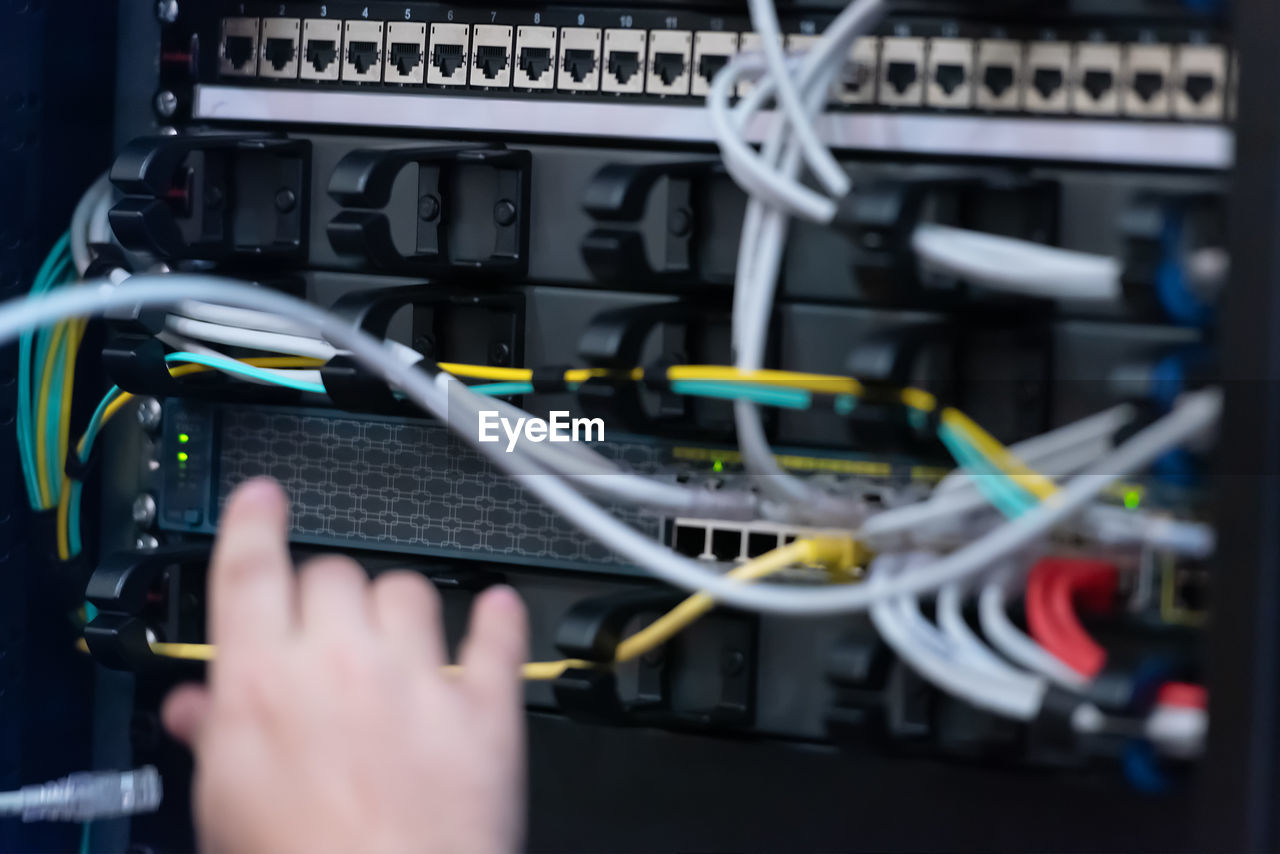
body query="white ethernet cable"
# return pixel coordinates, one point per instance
(86, 796)
(81, 219)
(933, 655)
(1194, 413)
(1017, 266)
(1016, 644)
(764, 20)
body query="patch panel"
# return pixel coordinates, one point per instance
(535, 58)
(625, 52)
(406, 52)
(449, 52)
(579, 63)
(362, 51)
(999, 75)
(670, 52)
(1148, 76)
(279, 57)
(321, 48)
(1096, 83)
(1199, 81)
(950, 74)
(856, 83)
(491, 55)
(1048, 78)
(238, 51)
(711, 52)
(902, 64)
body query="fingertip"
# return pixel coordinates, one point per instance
(499, 632)
(259, 495)
(184, 712)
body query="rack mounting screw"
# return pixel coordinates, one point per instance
(166, 103)
(149, 413)
(428, 208)
(285, 200)
(499, 354)
(504, 212)
(167, 11)
(144, 510)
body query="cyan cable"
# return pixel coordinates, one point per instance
(54, 266)
(1006, 496)
(232, 366)
(785, 398)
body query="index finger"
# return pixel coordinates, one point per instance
(251, 573)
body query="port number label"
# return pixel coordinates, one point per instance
(582, 19)
(449, 14)
(808, 27)
(537, 17)
(717, 23)
(901, 30)
(493, 16)
(324, 11)
(672, 23)
(624, 20)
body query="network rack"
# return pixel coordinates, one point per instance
(506, 131)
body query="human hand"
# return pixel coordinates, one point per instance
(328, 724)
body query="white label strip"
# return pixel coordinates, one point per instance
(1163, 144)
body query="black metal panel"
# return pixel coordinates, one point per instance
(55, 121)
(1243, 769)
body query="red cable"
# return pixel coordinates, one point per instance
(1184, 695)
(1053, 589)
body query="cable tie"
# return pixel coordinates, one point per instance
(549, 379)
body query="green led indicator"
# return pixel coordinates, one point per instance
(718, 465)
(184, 438)
(1132, 499)
(183, 456)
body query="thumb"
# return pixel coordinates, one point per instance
(185, 710)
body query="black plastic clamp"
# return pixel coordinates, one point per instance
(619, 194)
(467, 326)
(362, 182)
(214, 196)
(592, 631)
(121, 588)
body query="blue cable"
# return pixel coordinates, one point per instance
(95, 424)
(53, 424)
